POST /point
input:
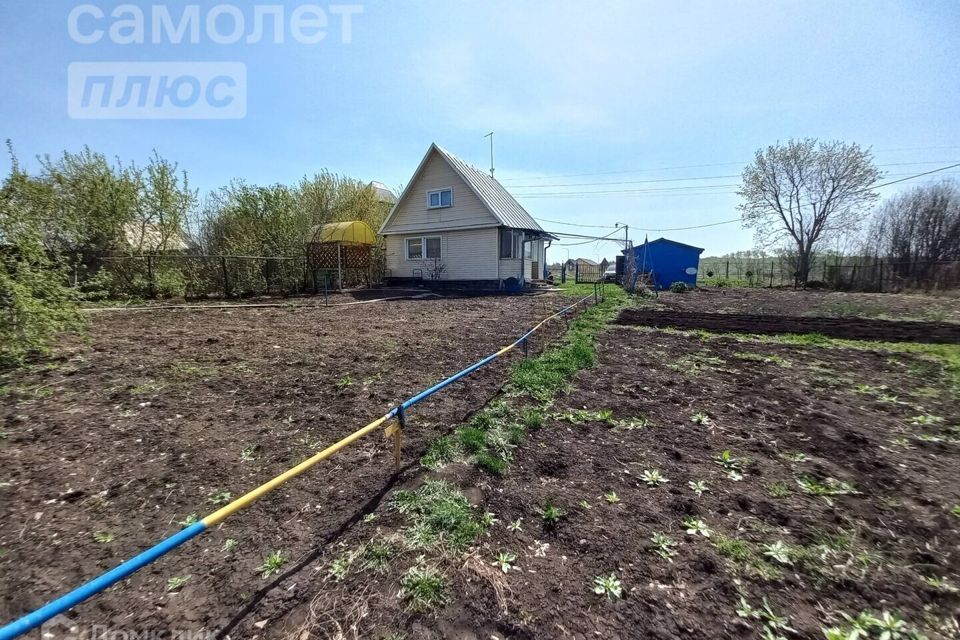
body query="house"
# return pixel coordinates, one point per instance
(456, 226)
(382, 193)
(668, 261)
(147, 237)
(583, 263)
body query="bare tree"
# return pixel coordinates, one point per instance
(917, 230)
(805, 191)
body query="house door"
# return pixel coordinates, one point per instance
(535, 270)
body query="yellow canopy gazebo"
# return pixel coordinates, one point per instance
(344, 247)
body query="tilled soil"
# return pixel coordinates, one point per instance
(852, 328)
(114, 442)
(885, 423)
(790, 302)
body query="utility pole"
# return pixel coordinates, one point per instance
(626, 234)
(490, 135)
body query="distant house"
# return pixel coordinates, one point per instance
(147, 237)
(586, 263)
(382, 193)
(455, 225)
(668, 261)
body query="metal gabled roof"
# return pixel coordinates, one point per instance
(497, 199)
(491, 193)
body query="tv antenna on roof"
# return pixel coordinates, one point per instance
(490, 135)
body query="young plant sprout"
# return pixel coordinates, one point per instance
(653, 478)
(612, 497)
(609, 586)
(222, 497)
(698, 487)
(731, 465)
(505, 561)
(829, 487)
(540, 549)
(778, 551)
(586, 505)
(488, 519)
(552, 513)
(272, 564)
(663, 546)
(189, 520)
(941, 583)
(695, 526)
(773, 624)
(925, 420)
(515, 525)
(229, 544)
(176, 582)
(701, 418)
(247, 454)
(339, 567)
(103, 537)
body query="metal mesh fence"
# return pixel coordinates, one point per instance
(853, 274)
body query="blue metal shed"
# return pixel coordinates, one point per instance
(669, 261)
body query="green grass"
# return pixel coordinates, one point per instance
(490, 436)
(424, 588)
(548, 374)
(744, 558)
(437, 513)
(440, 453)
(935, 359)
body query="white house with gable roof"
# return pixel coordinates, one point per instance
(455, 225)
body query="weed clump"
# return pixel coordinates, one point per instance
(438, 514)
(423, 587)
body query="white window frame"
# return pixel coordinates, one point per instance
(516, 243)
(423, 247)
(440, 198)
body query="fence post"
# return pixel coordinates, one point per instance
(151, 284)
(402, 423)
(880, 283)
(728, 270)
(226, 279)
(771, 274)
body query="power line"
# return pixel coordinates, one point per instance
(689, 179)
(580, 235)
(657, 191)
(701, 166)
(731, 221)
(575, 224)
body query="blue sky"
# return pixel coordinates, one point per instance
(627, 92)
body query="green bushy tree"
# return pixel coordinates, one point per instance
(35, 303)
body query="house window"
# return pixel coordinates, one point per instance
(424, 248)
(439, 198)
(433, 248)
(414, 248)
(510, 240)
(528, 250)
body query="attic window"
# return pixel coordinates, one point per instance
(439, 198)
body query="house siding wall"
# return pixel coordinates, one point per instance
(412, 214)
(467, 255)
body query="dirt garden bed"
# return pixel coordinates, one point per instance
(111, 444)
(850, 328)
(789, 302)
(827, 483)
